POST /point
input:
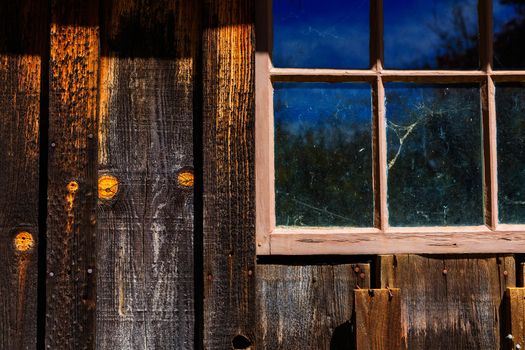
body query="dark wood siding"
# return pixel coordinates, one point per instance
(228, 174)
(72, 176)
(23, 37)
(157, 99)
(145, 247)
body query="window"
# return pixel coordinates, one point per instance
(389, 126)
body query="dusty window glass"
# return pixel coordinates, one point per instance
(510, 107)
(323, 154)
(321, 34)
(509, 31)
(431, 34)
(434, 155)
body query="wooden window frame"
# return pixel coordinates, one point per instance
(492, 237)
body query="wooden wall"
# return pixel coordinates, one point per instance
(127, 200)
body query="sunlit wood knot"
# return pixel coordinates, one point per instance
(72, 187)
(186, 178)
(107, 187)
(24, 241)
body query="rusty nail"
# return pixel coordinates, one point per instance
(445, 271)
(505, 273)
(356, 269)
(362, 275)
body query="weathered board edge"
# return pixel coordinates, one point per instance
(228, 61)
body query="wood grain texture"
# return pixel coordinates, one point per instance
(145, 250)
(378, 319)
(307, 307)
(515, 331)
(444, 240)
(450, 302)
(71, 296)
(23, 33)
(229, 174)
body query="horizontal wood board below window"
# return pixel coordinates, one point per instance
(447, 241)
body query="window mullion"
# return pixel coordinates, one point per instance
(380, 170)
(490, 156)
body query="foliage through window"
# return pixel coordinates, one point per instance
(382, 118)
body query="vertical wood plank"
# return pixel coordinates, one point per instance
(378, 319)
(229, 174)
(70, 307)
(23, 37)
(515, 332)
(145, 250)
(307, 306)
(450, 302)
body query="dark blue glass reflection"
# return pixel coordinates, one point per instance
(510, 108)
(509, 34)
(323, 154)
(321, 34)
(431, 34)
(434, 155)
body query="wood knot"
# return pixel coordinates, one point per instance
(241, 342)
(185, 178)
(107, 187)
(72, 187)
(24, 241)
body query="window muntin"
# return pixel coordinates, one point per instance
(387, 236)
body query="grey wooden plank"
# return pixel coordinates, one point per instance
(450, 302)
(307, 306)
(145, 251)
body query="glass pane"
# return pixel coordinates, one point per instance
(510, 106)
(431, 34)
(434, 155)
(321, 34)
(509, 31)
(323, 155)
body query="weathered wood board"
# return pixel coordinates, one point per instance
(228, 80)
(23, 38)
(450, 302)
(72, 164)
(378, 319)
(514, 332)
(307, 306)
(148, 66)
